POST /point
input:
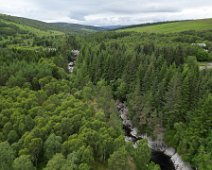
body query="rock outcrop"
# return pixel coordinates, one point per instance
(71, 64)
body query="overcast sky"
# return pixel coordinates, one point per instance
(107, 12)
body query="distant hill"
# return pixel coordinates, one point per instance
(171, 27)
(13, 26)
(67, 27)
(112, 27)
(43, 26)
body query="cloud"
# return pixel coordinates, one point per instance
(110, 12)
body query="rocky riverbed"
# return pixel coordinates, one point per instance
(165, 156)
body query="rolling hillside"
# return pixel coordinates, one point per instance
(27, 36)
(61, 27)
(171, 27)
(12, 26)
(30, 35)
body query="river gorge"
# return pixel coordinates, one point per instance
(165, 156)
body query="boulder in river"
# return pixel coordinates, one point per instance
(130, 139)
(178, 163)
(127, 123)
(124, 117)
(134, 132)
(169, 151)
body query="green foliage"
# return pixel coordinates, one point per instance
(7, 156)
(57, 163)
(52, 119)
(118, 160)
(23, 163)
(141, 155)
(202, 55)
(153, 166)
(52, 146)
(161, 84)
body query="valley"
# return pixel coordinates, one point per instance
(60, 83)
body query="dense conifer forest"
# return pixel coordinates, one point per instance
(53, 119)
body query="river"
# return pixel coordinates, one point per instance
(162, 155)
(166, 157)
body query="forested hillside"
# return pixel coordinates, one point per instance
(159, 79)
(62, 27)
(53, 119)
(47, 121)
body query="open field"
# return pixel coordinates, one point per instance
(171, 27)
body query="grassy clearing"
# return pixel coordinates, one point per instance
(28, 48)
(197, 25)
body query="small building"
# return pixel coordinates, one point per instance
(51, 49)
(199, 44)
